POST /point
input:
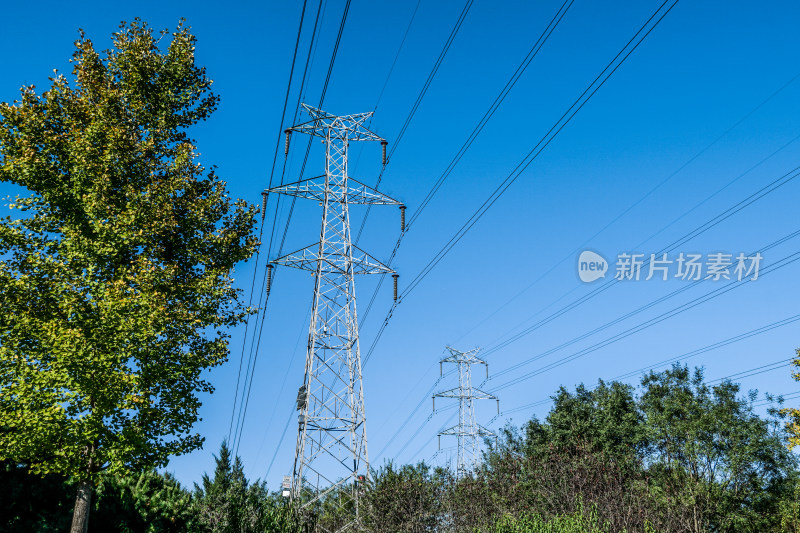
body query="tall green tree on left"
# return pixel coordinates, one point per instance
(115, 268)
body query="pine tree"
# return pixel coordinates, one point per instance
(229, 503)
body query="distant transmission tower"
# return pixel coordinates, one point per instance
(331, 454)
(467, 429)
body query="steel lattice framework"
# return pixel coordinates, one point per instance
(331, 454)
(467, 430)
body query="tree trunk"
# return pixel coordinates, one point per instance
(83, 502)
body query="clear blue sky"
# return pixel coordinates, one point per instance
(706, 67)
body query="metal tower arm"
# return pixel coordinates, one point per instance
(333, 261)
(474, 394)
(457, 430)
(346, 128)
(316, 189)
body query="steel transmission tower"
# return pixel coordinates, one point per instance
(467, 430)
(331, 453)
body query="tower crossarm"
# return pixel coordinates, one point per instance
(469, 357)
(347, 128)
(479, 431)
(333, 261)
(478, 394)
(454, 430)
(474, 394)
(450, 393)
(316, 189)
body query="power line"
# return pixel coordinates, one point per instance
(386, 83)
(402, 426)
(254, 344)
(408, 442)
(619, 319)
(779, 264)
(425, 86)
(263, 208)
(785, 261)
(512, 81)
(495, 105)
(335, 50)
(278, 447)
(714, 221)
(720, 344)
(714, 346)
(759, 370)
(396, 56)
(579, 103)
(289, 362)
(650, 192)
(599, 81)
(255, 350)
(763, 191)
(391, 417)
(420, 95)
(778, 398)
(593, 87)
(755, 371)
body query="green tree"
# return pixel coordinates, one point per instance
(790, 511)
(229, 503)
(405, 498)
(711, 452)
(116, 273)
(793, 424)
(606, 417)
(147, 502)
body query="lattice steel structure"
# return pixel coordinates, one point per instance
(331, 455)
(467, 430)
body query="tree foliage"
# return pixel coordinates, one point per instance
(606, 417)
(793, 424)
(676, 454)
(148, 502)
(116, 270)
(710, 451)
(406, 498)
(229, 503)
(577, 522)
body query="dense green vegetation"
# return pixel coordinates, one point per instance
(673, 455)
